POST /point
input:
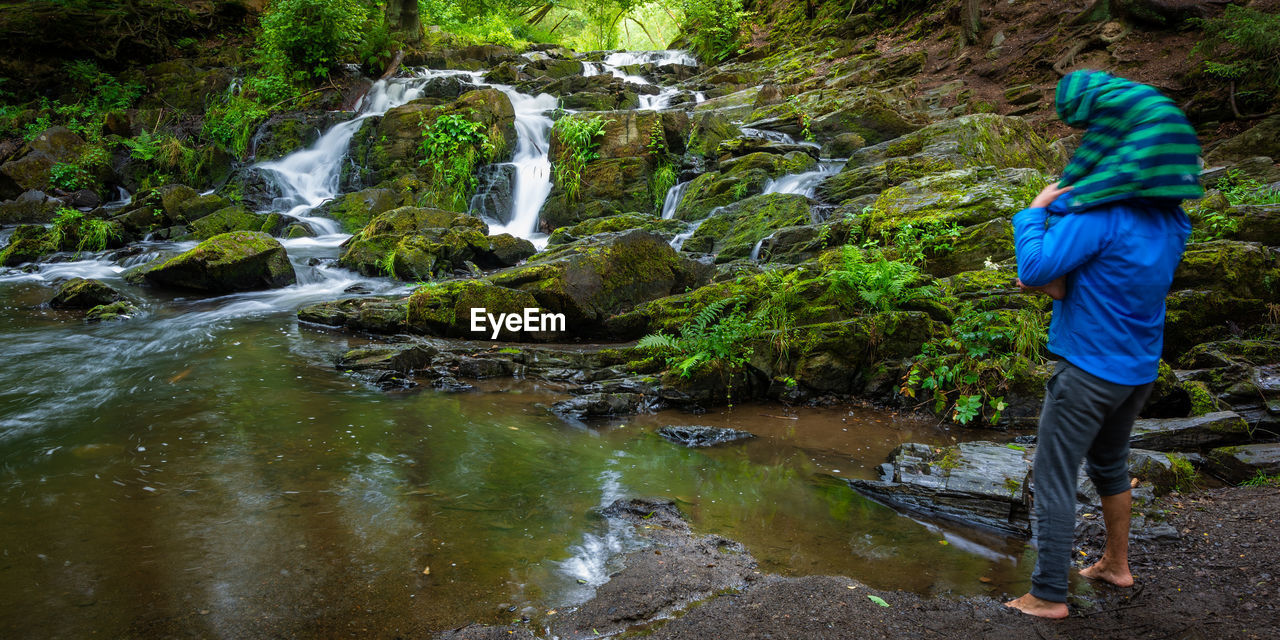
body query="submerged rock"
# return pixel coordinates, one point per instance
(237, 261)
(82, 293)
(122, 310)
(702, 436)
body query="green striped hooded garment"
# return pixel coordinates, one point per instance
(1137, 143)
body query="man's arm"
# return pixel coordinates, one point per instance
(1044, 256)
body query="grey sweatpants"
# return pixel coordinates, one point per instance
(1086, 417)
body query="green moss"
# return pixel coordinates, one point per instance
(1202, 400)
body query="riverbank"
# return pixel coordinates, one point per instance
(1216, 582)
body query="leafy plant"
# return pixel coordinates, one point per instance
(579, 138)
(718, 335)
(801, 114)
(714, 27)
(452, 146)
(387, 263)
(966, 371)
(1242, 46)
(1240, 189)
(233, 122)
(1261, 479)
(88, 234)
(69, 177)
(308, 38)
(916, 241)
(879, 285)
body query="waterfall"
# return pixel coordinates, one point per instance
(674, 196)
(308, 177)
(804, 183)
(532, 161)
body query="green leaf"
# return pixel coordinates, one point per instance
(878, 600)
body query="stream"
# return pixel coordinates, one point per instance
(204, 470)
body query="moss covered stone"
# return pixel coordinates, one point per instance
(238, 218)
(82, 293)
(1243, 269)
(964, 197)
(27, 243)
(355, 210)
(120, 310)
(623, 222)
(734, 230)
(446, 310)
(236, 261)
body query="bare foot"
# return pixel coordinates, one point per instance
(1107, 572)
(1034, 606)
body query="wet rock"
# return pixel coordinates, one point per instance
(388, 147)
(239, 218)
(446, 310)
(610, 224)
(1240, 463)
(843, 145)
(237, 261)
(1196, 316)
(552, 68)
(742, 146)
(27, 243)
(982, 483)
(31, 170)
(81, 293)
(1185, 434)
(990, 241)
(602, 276)
(1262, 140)
(413, 243)
(357, 209)
(495, 194)
(1241, 269)
(404, 360)
(121, 310)
(708, 131)
(702, 436)
(284, 133)
(30, 207)
(359, 314)
(962, 197)
(596, 405)
(447, 87)
(979, 140)
(732, 231)
(738, 178)
(449, 384)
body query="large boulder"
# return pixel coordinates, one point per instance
(238, 218)
(31, 169)
(413, 243)
(738, 178)
(284, 133)
(602, 276)
(732, 231)
(355, 210)
(980, 140)
(237, 261)
(390, 146)
(1245, 462)
(963, 197)
(30, 207)
(870, 113)
(1241, 269)
(1262, 140)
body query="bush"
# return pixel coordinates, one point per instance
(232, 123)
(308, 38)
(452, 146)
(714, 28)
(1243, 46)
(879, 285)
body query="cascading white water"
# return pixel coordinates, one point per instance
(614, 62)
(804, 183)
(672, 200)
(532, 161)
(308, 177)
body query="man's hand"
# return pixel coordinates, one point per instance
(1048, 195)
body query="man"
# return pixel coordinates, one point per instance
(1116, 233)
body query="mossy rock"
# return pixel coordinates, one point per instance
(738, 179)
(990, 241)
(1194, 316)
(1225, 353)
(120, 310)
(354, 211)
(607, 274)
(33, 163)
(30, 207)
(412, 243)
(964, 197)
(731, 107)
(82, 293)
(708, 131)
(553, 68)
(284, 133)
(980, 140)
(236, 261)
(610, 224)
(838, 357)
(609, 186)
(1243, 269)
(238, 218)
(389, 147)
(1261, 140)
(180, 84)
(27, 243)
(403, 221)
(734, 230)
(446, 310)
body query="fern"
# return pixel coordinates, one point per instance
(883, 285)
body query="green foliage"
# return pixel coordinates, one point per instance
(663, 178)
(966, 370)
(452, 146)
(879, 285)
(802, 116)
(1242, 45)
(914, 241)
(949, 460)
(1185, 477)
(714, 27)
(308, 38)
(1261, 479)
(581, 145)
(102, 92)
(896, 8)
(172, 159)
(89, 234)
(387, 263)
(1240, 189)
(94, 93)
(69, 177)
(719, 335)
(233, 122)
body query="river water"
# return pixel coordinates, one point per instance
(203, 469)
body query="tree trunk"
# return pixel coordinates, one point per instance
(971, 21)
(402, 19)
